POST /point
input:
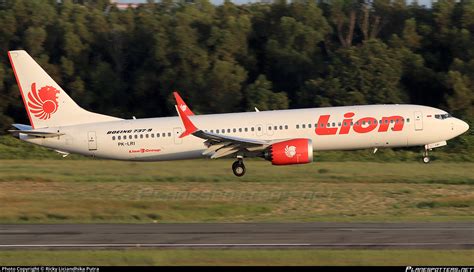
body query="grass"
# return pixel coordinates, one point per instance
(96, 191)
(238, 257)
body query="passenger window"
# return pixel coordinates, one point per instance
(252, 129)
(136, 136)
(269, 128)
(259, 129)
(275, 128)
(333, 124)
(386, 121)
(303, 126)
(141, 136)
(297, 126)
(408, 120)
(309, 125)
(119, 137)
(228, 130)
(146, 135)
(322, 125)
(113, 138)
(169, 134)
(315, 125)
(339, 124)
(163, 134)
(246, 129)
(328, 125)
(240, 129)
(130, 136)
(217, 131)
(281, 127)
(345, 124)
(157, 135)
(286, 126)
(234, 130)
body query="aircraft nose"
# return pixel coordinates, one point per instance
(464, 126)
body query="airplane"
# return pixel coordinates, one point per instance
(283, 137)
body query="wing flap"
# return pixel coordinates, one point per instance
(224, 151)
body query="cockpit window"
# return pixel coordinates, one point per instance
(443, 116)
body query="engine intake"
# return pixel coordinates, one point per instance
(295, 151)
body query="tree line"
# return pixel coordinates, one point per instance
(231, 57)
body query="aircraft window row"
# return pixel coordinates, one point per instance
(345, 124)
(141, 136)
(251, 129)
(443, 116)
(277, 127)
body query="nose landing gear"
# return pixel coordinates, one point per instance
(238, 167)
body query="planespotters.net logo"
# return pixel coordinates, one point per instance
(438, 269)
(44, 102)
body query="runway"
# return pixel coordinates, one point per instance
(240, 235)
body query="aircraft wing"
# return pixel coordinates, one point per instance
(220, 145)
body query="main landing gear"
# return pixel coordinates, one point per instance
(238, 167)
(426, 157)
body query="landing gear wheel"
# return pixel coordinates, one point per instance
(239, 168)
(426, 159)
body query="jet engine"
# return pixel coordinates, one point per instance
(295, 151)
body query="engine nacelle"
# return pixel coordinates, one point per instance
(295, 151)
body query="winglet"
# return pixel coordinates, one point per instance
(182, 105)
(189, 127)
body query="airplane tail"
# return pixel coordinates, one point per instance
(46, 103)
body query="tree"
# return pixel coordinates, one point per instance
(260, 95)
(461, 101)
(410, 35)
(367, 74)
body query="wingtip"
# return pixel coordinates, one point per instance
(181, 104)
(189, 127)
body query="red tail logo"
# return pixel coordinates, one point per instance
(44, 102)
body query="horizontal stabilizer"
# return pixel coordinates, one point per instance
(44, 134)
(22, 127)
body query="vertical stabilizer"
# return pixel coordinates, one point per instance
(46, 103)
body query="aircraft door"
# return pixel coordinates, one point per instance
(418, 120)
(177, 131)
(92, 140)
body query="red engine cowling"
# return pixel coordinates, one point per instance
(295, 151)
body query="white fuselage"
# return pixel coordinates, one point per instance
(137, 139)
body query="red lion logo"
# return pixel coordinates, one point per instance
(44, 102)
